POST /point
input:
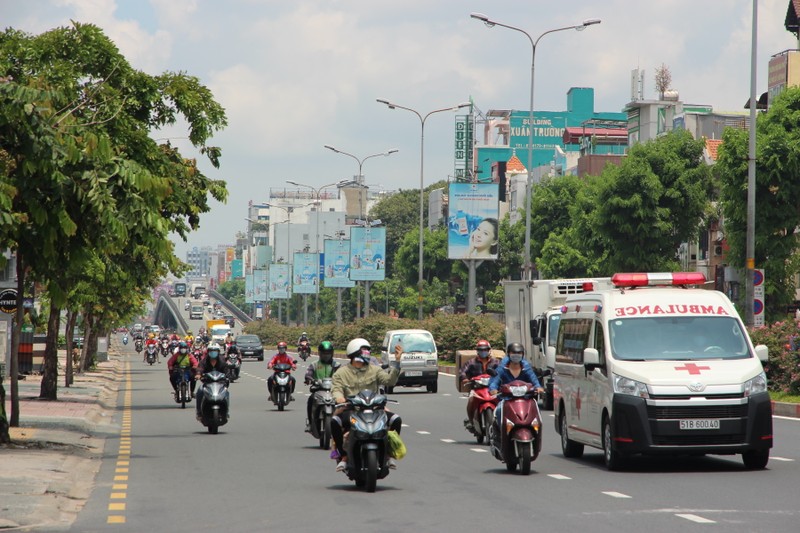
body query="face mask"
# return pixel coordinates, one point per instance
(213, 355)
(483, 354)
(515, 357)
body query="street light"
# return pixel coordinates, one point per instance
(317, 195)
(422, 120)
(360, 177)
(534, 43)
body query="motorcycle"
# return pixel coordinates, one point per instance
(125, 339)
(234, 362)
(138, 345)
(184, 393)
(322, 411)
(367, 442)
(484, 412)
(519, 441)
(281, 385)
(165, 347)
(215, 401)
(304, 350)
(152, 354)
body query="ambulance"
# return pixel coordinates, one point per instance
(656, 365)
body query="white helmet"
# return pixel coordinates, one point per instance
(355, 346)
(215, 348)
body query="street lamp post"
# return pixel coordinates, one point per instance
(360, 182)
(317, 191)
(534, 43)
(422, 120)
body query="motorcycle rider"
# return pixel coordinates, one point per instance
(483, 363)
(212, 361)
(232, 349)
(303, 337)
(324, 368)
(351, 379)
(151, 341)
(282, 357)
(512, 367)
(180, 361)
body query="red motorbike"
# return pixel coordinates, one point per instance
(304, 350)
(484, 412)
(517, 440)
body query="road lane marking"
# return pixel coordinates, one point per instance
(479, 450)
(448, 441)
(695, 518)
(616, 494)
(785, 459)
(424, 432)
(117, 509)
(559, 476)
(116, 506)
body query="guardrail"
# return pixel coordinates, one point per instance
(182, 325)
(238, 313)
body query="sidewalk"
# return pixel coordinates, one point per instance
(48, 471)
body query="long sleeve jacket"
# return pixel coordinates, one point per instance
(504, 375)
(477, 366)
(349, 381)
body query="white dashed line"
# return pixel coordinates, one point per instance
(479, 450)
(559, 476)
(404, 425)
(424, 432)
(615, 494)
(695, 518)
(785, 459)
(448, 441)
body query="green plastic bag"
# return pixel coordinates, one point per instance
(397, 448)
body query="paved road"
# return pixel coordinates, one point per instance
(262, 473)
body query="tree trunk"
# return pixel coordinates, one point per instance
(15, 334)
(49, 387)
(5, 436)
(89, 342)
(69, 326)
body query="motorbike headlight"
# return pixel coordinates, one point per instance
(755, 385)
(518, 391)
(630, 387)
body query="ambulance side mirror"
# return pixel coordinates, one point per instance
(762, 352)
(591, 358)
(550, 356)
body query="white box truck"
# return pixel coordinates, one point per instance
(532, 315)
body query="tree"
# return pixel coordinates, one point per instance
(663, 79)
(777, 197)
(653, 202)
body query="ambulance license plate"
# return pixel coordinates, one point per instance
(701, 423)
(413, 373)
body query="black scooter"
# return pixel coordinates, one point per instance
(215, 401)
(367, 442)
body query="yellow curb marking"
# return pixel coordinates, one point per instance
(115, 519)
(119, 495)
(116, 506)
(123, 456)
(119, 486)
(123, 463)
(120, 478)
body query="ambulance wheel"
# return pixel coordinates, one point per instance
(614, 459)
(569, 448)
(755, 459)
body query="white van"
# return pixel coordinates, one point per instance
(642, 369)
(419, 365)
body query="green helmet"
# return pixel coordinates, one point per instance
(325, 350)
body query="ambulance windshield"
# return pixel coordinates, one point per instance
(677, 338)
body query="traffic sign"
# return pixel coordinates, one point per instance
(8, 301)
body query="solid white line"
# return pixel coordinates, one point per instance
(695, 518)
(424, 432)
(480, 450)
(786, 459)
(787, 418)
(558, 476)
(616, 494)
(448, 441)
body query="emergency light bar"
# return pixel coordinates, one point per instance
(644, 279)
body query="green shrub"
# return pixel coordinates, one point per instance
(783, 340)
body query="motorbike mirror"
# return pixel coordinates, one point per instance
(294, 361)
(546, 372)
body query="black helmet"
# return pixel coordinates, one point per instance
(515, 347)
(325, 350)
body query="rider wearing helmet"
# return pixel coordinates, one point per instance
(282, 357)
(181, 361)
(212, 361)
(324, 368)
(483, 363)
(512, 367)
(151, 340)
(351, 379)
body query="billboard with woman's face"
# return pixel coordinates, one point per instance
(473, 228)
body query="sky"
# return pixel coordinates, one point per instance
(295, 75)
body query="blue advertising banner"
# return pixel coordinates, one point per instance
(367, 254)
(237, 269)
(249, 293)
(472, 226)
(279, 286)
(260, 285)
(306, 273)
(337, 263)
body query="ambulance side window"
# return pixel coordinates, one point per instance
(573, 338)
(600, 343)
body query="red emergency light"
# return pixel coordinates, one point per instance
(648, 279)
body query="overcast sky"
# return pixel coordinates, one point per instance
(294, 75)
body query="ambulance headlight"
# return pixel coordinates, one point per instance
(629, 386)
(755, 385)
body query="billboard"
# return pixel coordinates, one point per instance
(279, 287)
(472, 225)
(249, 293)
(237, 269)
(337, 263)
(260, 285)
(367, 254)
(306, 273)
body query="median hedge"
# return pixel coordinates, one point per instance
(452, 332)
(783, 367)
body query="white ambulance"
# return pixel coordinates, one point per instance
(654, 366)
